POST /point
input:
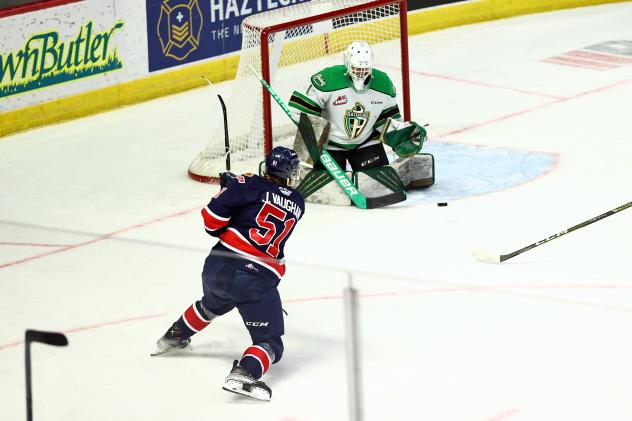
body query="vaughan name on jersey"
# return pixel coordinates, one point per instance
(254, 217)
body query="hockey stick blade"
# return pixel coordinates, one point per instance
(386, 200)
(486, 256)
(48, 338)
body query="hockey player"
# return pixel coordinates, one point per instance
(360, 102)
(253, 217)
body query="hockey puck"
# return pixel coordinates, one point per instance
(442, 204)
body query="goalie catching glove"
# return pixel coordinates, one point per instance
(406, 139)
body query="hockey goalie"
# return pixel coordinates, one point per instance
(353, 110)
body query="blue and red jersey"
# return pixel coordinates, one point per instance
(254, 217)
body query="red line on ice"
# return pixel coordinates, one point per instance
(581, 66)
(503, 415)
(8, 243)
(598, 65)
(93, 326)
(537, 107)
(603, 57)
(96, 240)
(464, 289)
(487, 85)
(472, 82)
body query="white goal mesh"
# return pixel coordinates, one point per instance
(287, 46)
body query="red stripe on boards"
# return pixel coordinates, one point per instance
(33, 6)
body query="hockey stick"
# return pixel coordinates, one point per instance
(226, 141)
(486, 256)
(48, 338)
(310, 140)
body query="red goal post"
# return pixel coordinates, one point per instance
(287, 46)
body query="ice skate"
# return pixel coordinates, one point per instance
(171, 341)
(241, 382)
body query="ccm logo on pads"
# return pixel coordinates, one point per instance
(257, 324)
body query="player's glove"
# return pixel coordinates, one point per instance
(225, 177)
(407, 140)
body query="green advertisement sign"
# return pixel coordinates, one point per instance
(46, 59)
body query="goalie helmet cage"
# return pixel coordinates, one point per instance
(287, 46)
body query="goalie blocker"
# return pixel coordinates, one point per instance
(385, 184)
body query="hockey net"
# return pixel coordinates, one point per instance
(287, 46)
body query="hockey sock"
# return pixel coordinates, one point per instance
(194, 319)
(256, 360)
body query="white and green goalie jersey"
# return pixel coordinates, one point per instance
(356, 118)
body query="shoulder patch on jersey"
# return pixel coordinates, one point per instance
(319, 80)
(380, 82)
(241, 179)
(331, 79)
(285, 190)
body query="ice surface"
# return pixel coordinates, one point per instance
(101, 238)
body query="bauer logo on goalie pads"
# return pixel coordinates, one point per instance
(338, 174)
(356, 120)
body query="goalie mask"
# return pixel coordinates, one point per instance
(283, 163)
(359, 61)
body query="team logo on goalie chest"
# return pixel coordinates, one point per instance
(356, 120)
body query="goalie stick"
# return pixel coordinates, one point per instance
(226, 140)
(326, 159)
(48, 338)
(486, 256)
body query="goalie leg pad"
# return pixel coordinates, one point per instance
(385, 175)
(313, 181)
(318, 186)
(320, 128)
(381, 186)
(417, 171)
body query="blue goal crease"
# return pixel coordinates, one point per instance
(463, 170)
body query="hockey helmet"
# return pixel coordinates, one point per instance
(359, 61)
(283, 163)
